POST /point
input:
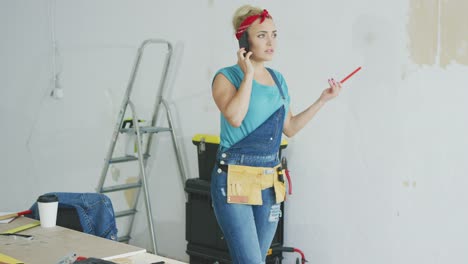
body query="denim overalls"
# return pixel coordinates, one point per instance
(249, 229)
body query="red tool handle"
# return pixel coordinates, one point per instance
(24, 212)
(3, 217)
(289, 181)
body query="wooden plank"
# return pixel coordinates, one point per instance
(145, 258)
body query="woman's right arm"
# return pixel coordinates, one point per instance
(233, 103)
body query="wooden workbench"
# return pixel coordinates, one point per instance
(50, 245)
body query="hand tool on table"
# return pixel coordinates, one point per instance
(12, 215)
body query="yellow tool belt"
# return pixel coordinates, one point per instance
(245, 184)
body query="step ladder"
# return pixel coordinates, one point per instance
(143, 154)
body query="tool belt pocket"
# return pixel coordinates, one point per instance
(245, 184)
(280, 191)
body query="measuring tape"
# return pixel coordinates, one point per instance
(23, 227)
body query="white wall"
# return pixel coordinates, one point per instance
(378, 176)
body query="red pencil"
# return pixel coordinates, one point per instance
(3, 217)
(351, 74)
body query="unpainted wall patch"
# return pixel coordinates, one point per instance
(438, 32)
(130, 195)
(454, 32)
(422, 29)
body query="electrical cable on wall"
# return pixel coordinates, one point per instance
(57, 91)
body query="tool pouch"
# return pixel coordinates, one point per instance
(280, 188)
(245, 184)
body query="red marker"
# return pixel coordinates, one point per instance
(351, 74)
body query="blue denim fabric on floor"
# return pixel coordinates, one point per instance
(249, 229)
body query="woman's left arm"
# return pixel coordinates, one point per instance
(294, 123)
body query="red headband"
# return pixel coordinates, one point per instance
(249, 21)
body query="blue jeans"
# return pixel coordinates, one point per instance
(249, 229)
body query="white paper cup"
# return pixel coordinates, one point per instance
(48, 207)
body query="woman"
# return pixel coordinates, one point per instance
(247, 186)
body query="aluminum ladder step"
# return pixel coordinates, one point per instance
(124, 238)
(145, 129)
(125, 213)
(126, 159)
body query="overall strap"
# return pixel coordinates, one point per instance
(276, 81)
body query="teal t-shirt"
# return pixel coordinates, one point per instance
(264, 101)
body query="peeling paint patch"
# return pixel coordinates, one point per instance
(130, 195)
(438, 32)
(407, 184)
(423, 30)
(454, 32)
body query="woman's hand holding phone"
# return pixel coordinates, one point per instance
(243, 59)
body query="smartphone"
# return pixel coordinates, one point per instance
(244, 41)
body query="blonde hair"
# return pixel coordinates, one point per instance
(242, 13)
